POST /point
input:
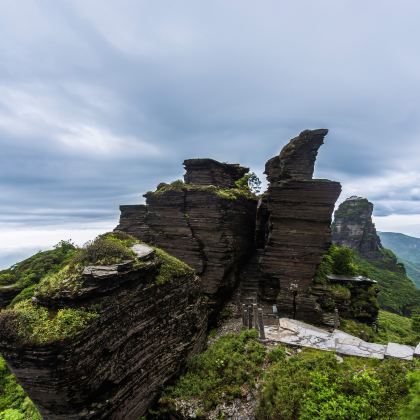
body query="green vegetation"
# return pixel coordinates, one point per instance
(26, 275)
(397, 292)
(339, 260)
(170, 267)
(228, 369)
(413, 270)
(353, 208)
(407, 249)
(14, 403)
(391, 328)
(109, 248)
(30, 323)
(241, 191)
(353, 300)
(313, 385)
(307, 385)
(412, 409)
(250, 182)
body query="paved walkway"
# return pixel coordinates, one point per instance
(297, 333)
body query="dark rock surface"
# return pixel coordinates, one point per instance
(8, 293)
(298, 224)
(212, 172)
(353, 227)
(297, 159)
(208, 229)
(113, 368)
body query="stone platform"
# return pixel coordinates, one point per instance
(299, 334)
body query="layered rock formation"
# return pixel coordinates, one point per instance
(298, 218)
(353, 228)
(141, 321)
(207, 222)
(212, 172)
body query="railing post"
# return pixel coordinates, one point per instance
(255, 315)
(261, 323)
(249, 316)
(336, 319)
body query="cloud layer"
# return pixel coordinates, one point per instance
(100, 101)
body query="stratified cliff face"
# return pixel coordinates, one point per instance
(212, 172)
(207, 222)
(298, 213)
(353, 227)
(101, 347)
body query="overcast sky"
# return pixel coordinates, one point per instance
(102, 100)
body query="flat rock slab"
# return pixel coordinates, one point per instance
(359, 348)
(107, 270)
(142, 251)
(399, 351)
(300, 334)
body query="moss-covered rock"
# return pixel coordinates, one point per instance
(241, 190)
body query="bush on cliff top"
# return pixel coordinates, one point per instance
(109, 248)
(241, 191)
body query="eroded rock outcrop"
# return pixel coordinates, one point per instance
(298, 213)
(212, 172)
(100, 346)
(209, 224)
(353, 228)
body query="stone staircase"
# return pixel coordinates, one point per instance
(250, 278)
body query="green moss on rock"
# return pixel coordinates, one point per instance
(170, 267)
(31, 323)
(241, 191)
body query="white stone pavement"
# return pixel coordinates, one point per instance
(300, 334)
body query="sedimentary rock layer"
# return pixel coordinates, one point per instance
(353, 227)
(113, 368)
(297, 159)
(299, 213)
(212, 172)
(211, 230)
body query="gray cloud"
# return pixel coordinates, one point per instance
(100, 101)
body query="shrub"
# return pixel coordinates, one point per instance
(412, 409)
(313, 385)
(226, 370)
(104, 250)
